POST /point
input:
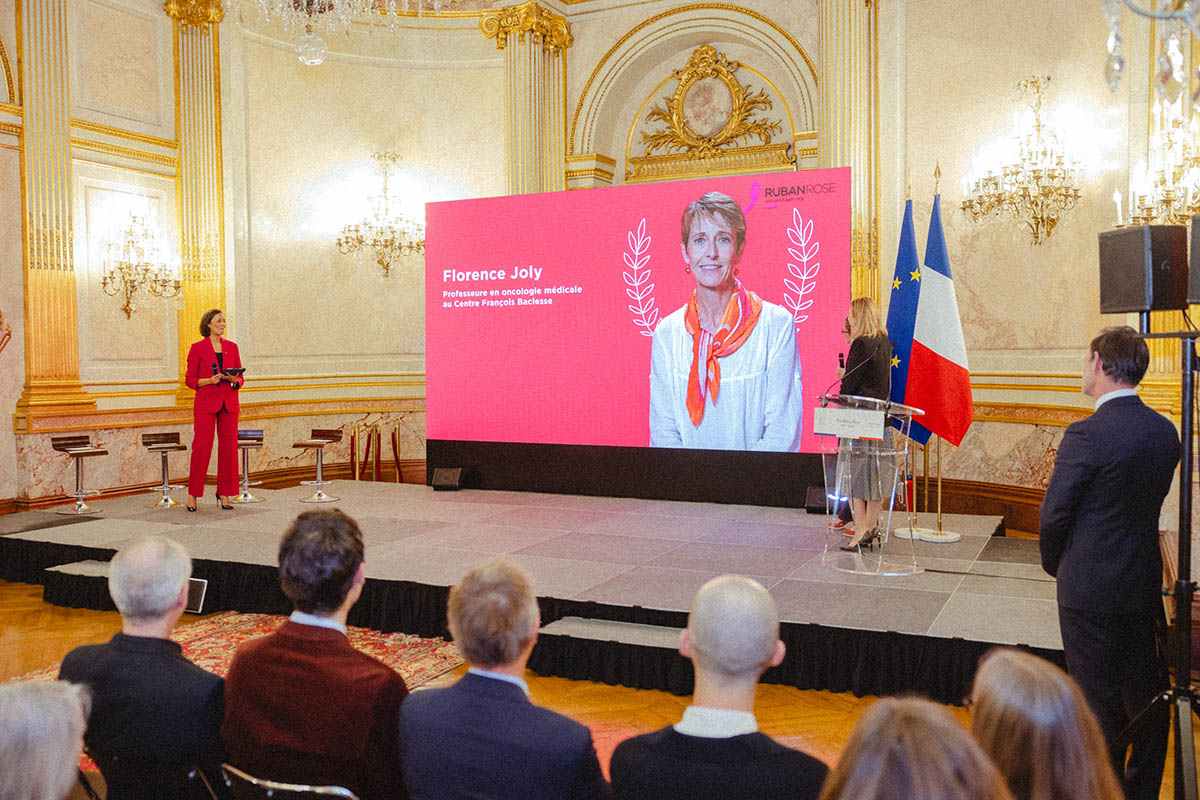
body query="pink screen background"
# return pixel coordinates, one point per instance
(577, 371)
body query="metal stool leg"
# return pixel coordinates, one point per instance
(244, 495)
(80, 507)
(165, 488)
(320, 483)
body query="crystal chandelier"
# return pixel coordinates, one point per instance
(384, 235)
(1169, 74)
(306, 20)
(1166, 190)
(1037, 186)
(134, 264)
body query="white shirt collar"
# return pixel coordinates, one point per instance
(304, 618)
(1104, 398)
(716, 723)
(501, 676)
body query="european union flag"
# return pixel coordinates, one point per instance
(902, 314)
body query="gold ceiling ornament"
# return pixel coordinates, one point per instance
(384, 235)
(5, 333)
(527, 19)
(1036, 185)
(199, 13)
(708, 126)
(709, 110)
(133, 262)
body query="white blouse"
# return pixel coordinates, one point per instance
(758, 406)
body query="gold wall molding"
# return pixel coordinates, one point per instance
(586, 100)
(195, 13)
(550, 30)
(8, 127)
(125, 152)
(697, 145)
(12, 109)
(51, 321)
(534, 42)
(1029, 414)
(9, 82)
(121, 133)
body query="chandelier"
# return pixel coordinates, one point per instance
(1037, 185)
(383, 235)
(1169, 76)
(134, 264)
(307, 20)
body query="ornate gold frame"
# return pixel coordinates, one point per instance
(728, 150)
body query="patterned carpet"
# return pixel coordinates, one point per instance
(211, 643)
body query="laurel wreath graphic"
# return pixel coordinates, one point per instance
(803, 275)
(637, 281)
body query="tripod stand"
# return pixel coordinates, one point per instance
(1180, 697)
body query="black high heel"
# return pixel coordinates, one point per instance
(867, 542)
(224, 506)
(191, 507)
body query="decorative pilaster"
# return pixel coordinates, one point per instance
(534, 42)
(848, 123)
(201, 224)
(51, 321)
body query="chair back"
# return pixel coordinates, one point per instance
(156, 439)
(68, 443)
(250, 435)
(328, 434)
(247, 787)
(134, 777)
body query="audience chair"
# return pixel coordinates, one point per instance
(164, 444)
(78, 448)
(247, 787)
(248, 440)
(320, 437)
(179, 781)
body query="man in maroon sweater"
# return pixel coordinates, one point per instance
(302, 705)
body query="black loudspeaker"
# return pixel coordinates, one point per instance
(447, 478)
(1194, 263)
(1144, 269)
(815, 501)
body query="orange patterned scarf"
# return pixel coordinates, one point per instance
(741, 315)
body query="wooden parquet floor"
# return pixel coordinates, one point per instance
(34, 634)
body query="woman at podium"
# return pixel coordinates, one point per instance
(867, 374)
(214, 370)
(724, 370)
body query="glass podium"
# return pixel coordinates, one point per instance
(864, 451)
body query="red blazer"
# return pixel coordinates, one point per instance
(201, 363)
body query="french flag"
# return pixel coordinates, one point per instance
(929, 364)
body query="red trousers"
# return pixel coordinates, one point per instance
(226, 423)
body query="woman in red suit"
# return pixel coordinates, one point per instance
(216, 406)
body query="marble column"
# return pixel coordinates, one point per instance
(848, 134)
(201, 223)
(534, 42)
(51, 320)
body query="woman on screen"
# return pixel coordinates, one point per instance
(724, 370)
(867, 374)
(214, 371)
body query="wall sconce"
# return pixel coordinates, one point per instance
(133, 262)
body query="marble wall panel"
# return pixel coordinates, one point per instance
(12, 357)
(121, 64)
(309, 137)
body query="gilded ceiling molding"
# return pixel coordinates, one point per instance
(6, 67)
(199, 13)
(527, 19)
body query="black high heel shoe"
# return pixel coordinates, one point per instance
(225, 506)
(867, 542)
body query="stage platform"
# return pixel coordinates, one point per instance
(615, 577)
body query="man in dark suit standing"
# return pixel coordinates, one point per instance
(1099, 537)
(716, 751)
(482, 737)
(302, 705)
(155, 715)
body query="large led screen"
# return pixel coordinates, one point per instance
(568, 318)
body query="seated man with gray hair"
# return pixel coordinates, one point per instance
(482, 737)
(155, 715)
(716, 750)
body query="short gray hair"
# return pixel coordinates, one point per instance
(41, 737)
(146, 576)
(733, 627)
(492, 613)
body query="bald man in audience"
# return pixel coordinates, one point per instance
(716, 750)
(155, 715)
(482, 737)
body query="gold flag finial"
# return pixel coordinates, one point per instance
(937, 178)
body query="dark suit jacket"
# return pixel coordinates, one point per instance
(483, 738)
(1099, 519)
(868, 367)
(201, 362)
(303, 706)
(151, 707)
(668, 765)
